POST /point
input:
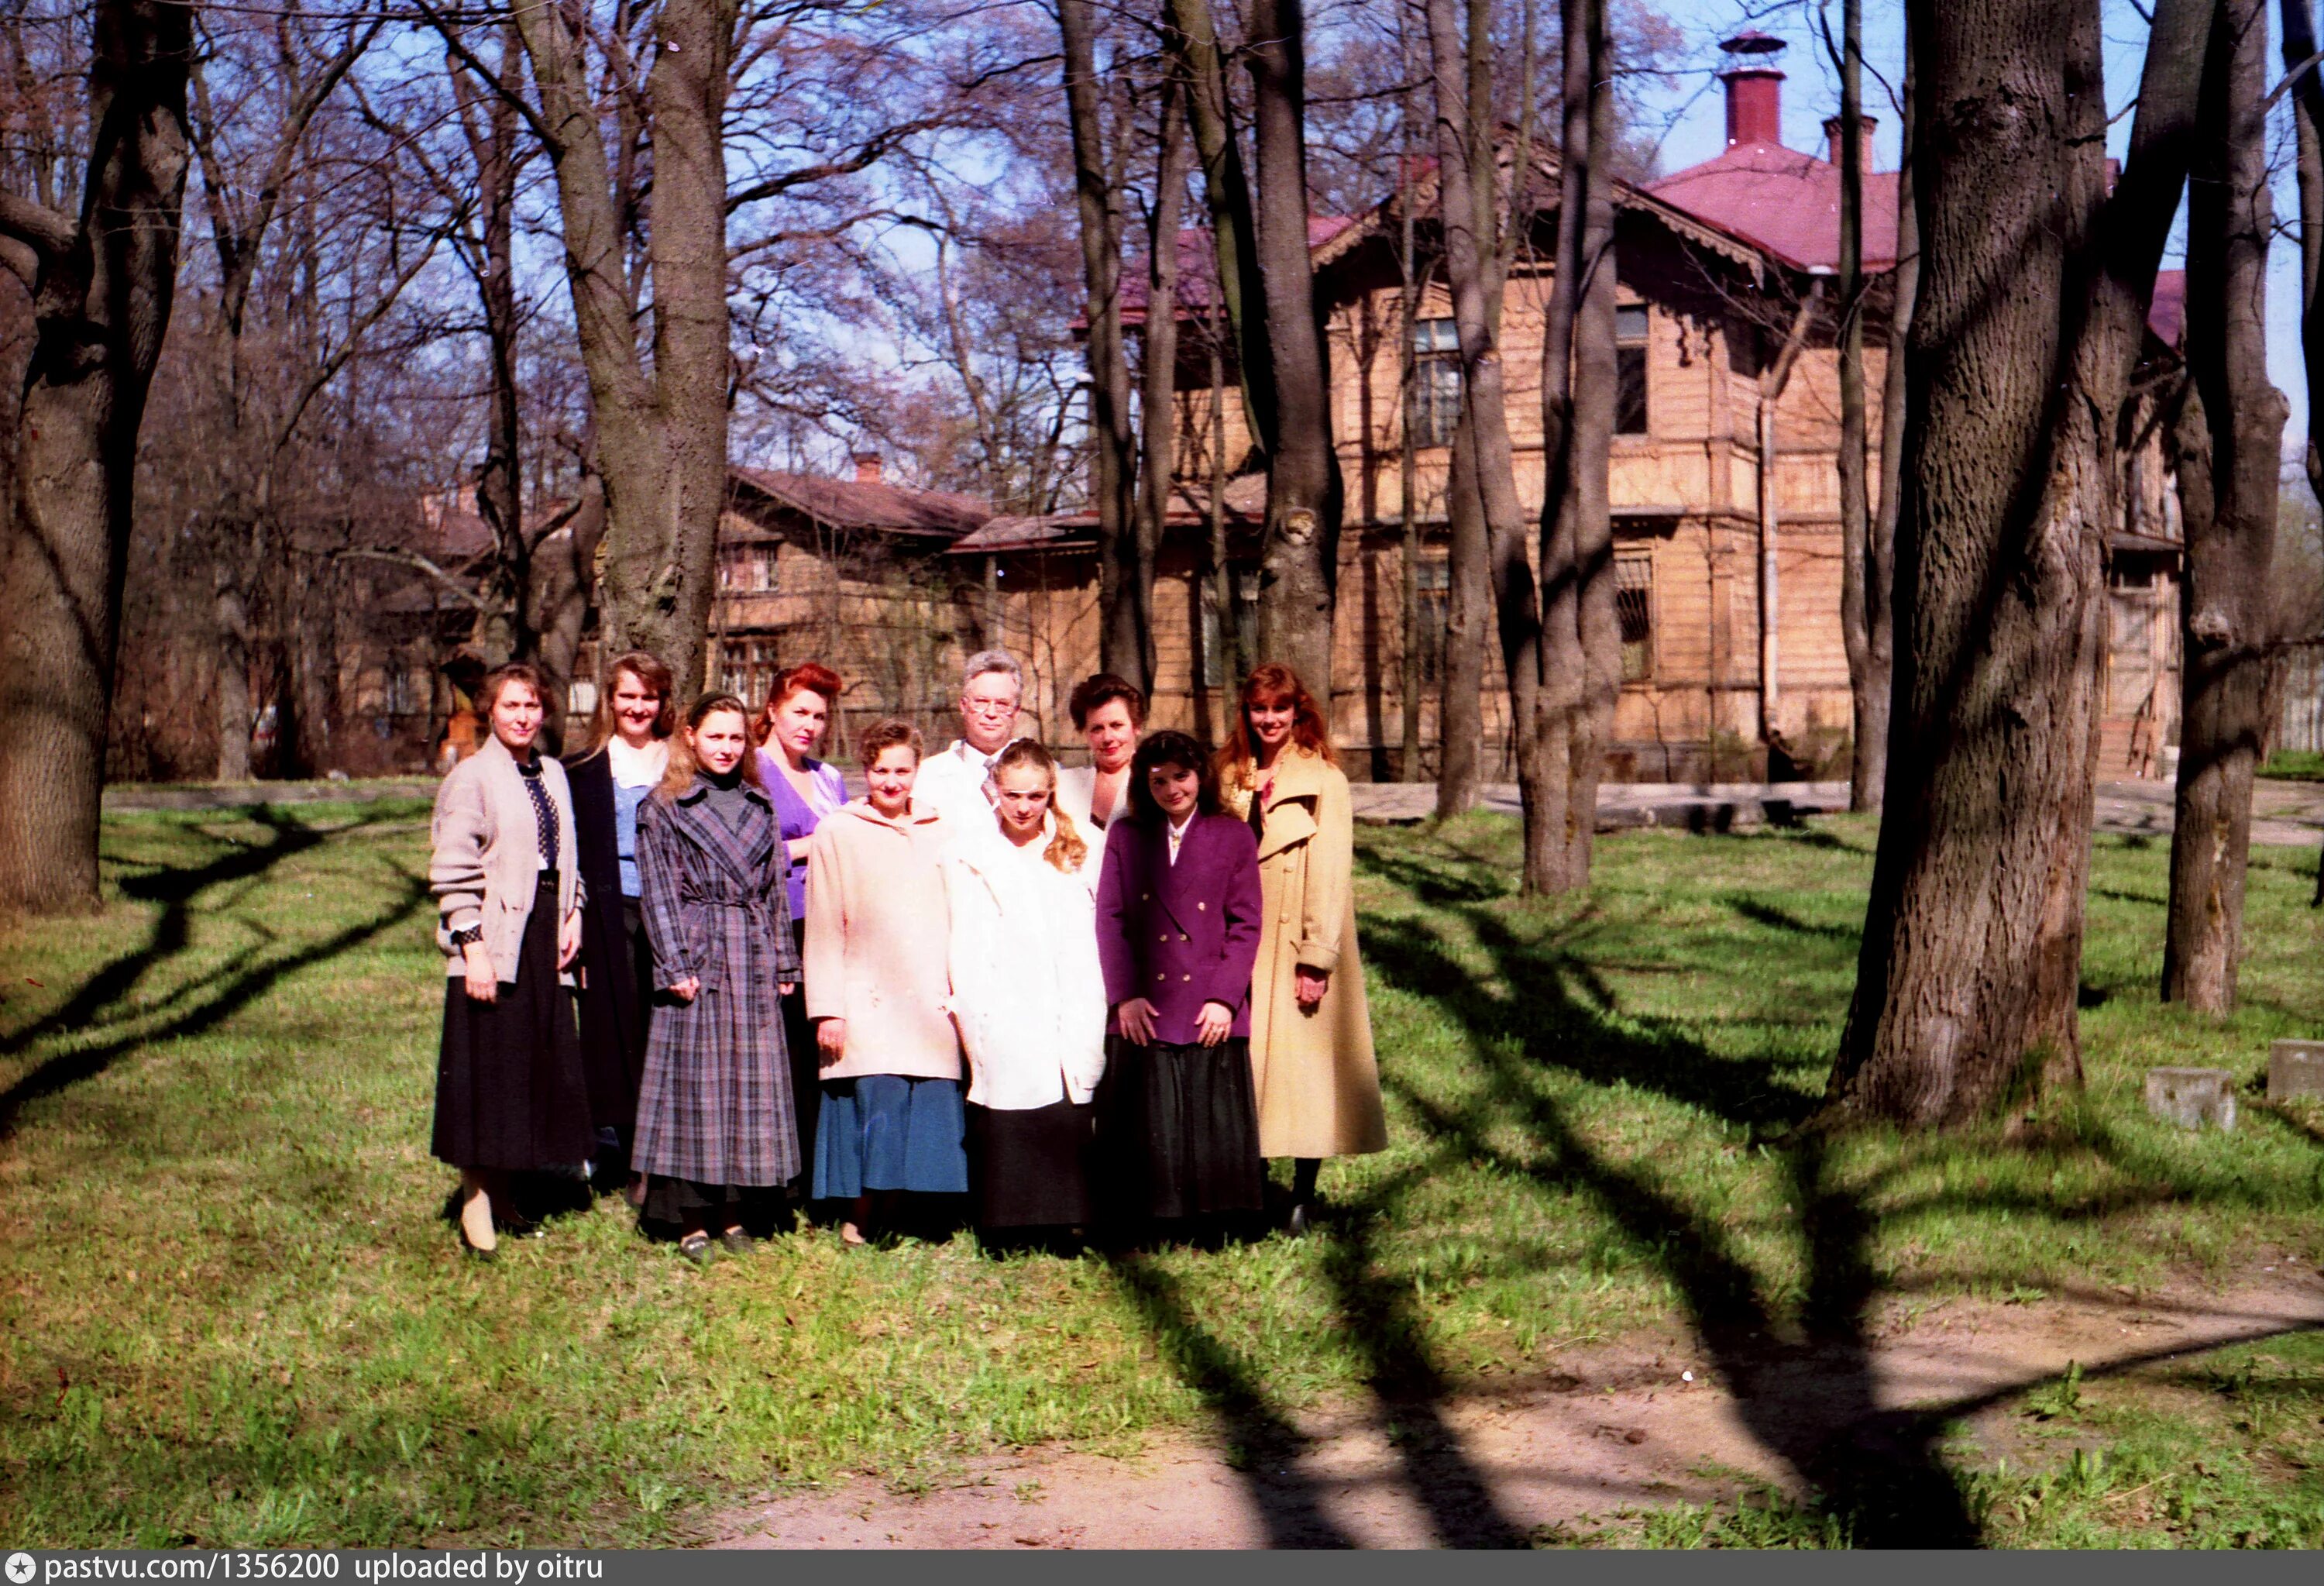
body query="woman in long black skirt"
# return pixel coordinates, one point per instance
(510, 1096)
(627, 757)
(1177, 932)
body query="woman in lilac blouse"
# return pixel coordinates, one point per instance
(803, 790)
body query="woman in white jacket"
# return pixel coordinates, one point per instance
(1029, 1000)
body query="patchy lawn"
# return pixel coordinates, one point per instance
(230, 1313)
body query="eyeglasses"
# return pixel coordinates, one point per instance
(990, 707)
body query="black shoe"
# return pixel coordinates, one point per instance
(476, 1253)
(1302, 1218)
(738, 1241)
(516, 1225)
(696, 1248)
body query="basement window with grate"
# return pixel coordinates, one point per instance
(1633, 609)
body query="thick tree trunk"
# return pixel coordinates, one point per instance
(2035, 287)
(1560, 740)
(2226, 604)
(1097, 201)
(1867, 678)
(1409, 764)
(1159, 385)
(662, 436)
(102, 293)
(231, 613)
(503, 630)
(1299, 563)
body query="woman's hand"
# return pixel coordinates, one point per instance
(484, 984)
(797, 848)
(1214, 1024)
(784, 988)
(568, 939)
(1308, 985)
(830, 1040)
(1136, 1016)
(686, 990)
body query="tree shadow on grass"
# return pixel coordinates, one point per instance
(1878, 1469)
(203, 1001)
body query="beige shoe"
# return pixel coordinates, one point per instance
(477, 1225)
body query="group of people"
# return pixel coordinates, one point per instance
(1093, 998)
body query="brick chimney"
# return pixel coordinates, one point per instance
(867, 467)
(1831, 134)
(1755, 90)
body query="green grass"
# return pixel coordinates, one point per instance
(230, 1314)
(2294, 765)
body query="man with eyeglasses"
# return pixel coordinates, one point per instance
(955, 781)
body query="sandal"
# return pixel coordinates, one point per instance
(696, 1248)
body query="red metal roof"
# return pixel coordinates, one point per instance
(1198, 271)
(854, 503)
(1785, 202)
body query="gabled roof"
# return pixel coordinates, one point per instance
(858, 504)
(1198, 269)
(1785, 202)
(1244, 497)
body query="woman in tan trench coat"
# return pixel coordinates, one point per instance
(1310, 1032)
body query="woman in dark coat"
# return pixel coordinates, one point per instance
(627, 757)
(1177, 932)
(714, 1114)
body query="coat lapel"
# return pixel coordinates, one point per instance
(1290, 817)
(745, 852)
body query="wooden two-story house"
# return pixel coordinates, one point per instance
(1724, 481)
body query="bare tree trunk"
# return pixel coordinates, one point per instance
(1485, 478)
(2299, 30)
(489, 121)
(1097, 199)
(1226, 193)
(1158, 393)
(2226, 607)
(1588, 445)
(1866, 682)
(1869, 775)
(102, 286)
(1409, 766)
(661, 431)
(2035, 286)
(1232, 662)
(231, 613)
(1300, 568)
(1467, 613)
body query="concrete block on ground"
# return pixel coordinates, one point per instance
(2295, 1070)
(2192, 1097)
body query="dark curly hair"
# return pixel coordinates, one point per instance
(1169, 748)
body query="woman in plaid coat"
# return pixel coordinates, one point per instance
(716, 1118)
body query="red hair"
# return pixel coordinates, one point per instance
(807, 678)
(1273, 683)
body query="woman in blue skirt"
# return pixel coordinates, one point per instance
(878, 993)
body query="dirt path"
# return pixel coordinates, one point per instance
(1492, 1466)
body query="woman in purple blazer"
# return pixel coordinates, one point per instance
(1178, 931)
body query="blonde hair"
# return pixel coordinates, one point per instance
(648, 669)
(683, 766)
(1066, 851)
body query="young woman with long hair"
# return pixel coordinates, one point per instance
(878, 940)
(1177, 926)
(627, 755)
(1028, 999)
(714, 1113)
(805, 789)
(509, 1094)
(1310, 1036)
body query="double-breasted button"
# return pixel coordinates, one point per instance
(1186, 977)
(1184, 937)
(1161, 977)
(1200, 906)
(1164, 936)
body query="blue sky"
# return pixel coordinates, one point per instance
(1692, 108)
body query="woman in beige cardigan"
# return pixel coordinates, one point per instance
(1311, 1031)
(510, 1092)
(878, 988)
